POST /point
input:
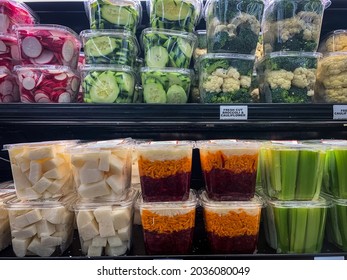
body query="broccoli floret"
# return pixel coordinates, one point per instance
(290, 63)
(244, 67)
(240, 96)
(293, 95)
(220, 40)
(311, 6)
(296, 43)
(212, 65)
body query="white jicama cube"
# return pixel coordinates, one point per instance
(124, 233)
(116, 251)
(58, 184)
(41, 153)
(33, 216)
(44, 228)
(24, 233)
(52, 163)
(20, 246)
(121, 218)
(85, 246)
(89, 230)
(64, 235)
(23, 163)
(19, 222)
(94, 190)
(116, 183)
(57, 173)
(116, 164)
(53, 215)
(106, 229)
(20, 180)
(114, 241)
(104, 162)
(94, 251)
(51, 241)
(99, 241)
(103, 214)
(35, 172)
(67, 217)
(84, 217)
(29, 193)
(42, 185)
(38, 249)
(89, 175)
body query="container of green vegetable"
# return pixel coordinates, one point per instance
(114, 14)
(167, 48)
(174, 14)
(292, 171)
(225, 78)
(165, 85)
(293, 25)
(201, 46)
(288, 77)
(233, 26)
(108, 83)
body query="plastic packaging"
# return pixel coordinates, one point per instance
(9, 91)
(335, 41)
(5, 230)
(9, 47)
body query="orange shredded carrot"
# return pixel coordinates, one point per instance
(167, 224)
(160, 169)
(234, 223)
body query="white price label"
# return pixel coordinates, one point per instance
(233, 113)
(340, 112)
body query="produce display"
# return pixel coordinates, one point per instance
(109, 47)
(225, 78)
(335, 41)
(233, 26)
(9, 91)
(5, 230)
(232, 227)
(296, 226)
(292, 25)
(165, 170)
(43, 44)
(168, 227)
(114, 14)
(288, 77)
(201, 46)
(105, 228)
(102, 169)
(9, 47)
(175, 14)
(229, 168)
(41, 170)
(292, 171)
(165, 85)
(41, 228)
(167, 48)
(108, 84)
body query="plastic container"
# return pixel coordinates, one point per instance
(47, 83)
(165, 169)
(6, 187)
(225, 78)
(108, 83)
(288, 77)
(166, 85)
(110, 47)
(168, 227)
(9, 46)
(232, 226)
(201, 47)
(229, 168)
(48, 44)
(335, 41)
(7, 63)
(9, 91)
(293, 25)
(41, 170)
(167, 48)
(114, 14)
(13, 13)
(292, 171)
(5, 230)
(105, 228)
(295, 226)
(181, 15)
(102, 169)
(233, 26)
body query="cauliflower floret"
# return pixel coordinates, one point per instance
(213, 84)
(220, 72)
(245, 81)
(336, 43)
(287, 28)
(231, 84)
(304, 78)
(241, 19)
(199, 52)
(311, 24)
(332, 65)
(335, 81)
(233, 73)
(336, 95)
(279, 78)
(220, 28)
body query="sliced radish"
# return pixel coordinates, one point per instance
(4, 23)
(60, 77)
(39, 80)
(15, 52)
(2, 75)
(26, 97)
(75, 83)
(45, 58)
(68, 50)
(31, 47)
(28, 83)
(8, 98)
(6, 87)
(3, 47)
(65, 97)
(40, 97)
(42, 33)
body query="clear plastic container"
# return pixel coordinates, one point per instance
(41, 228)
(225, 78)
(9, 46)
(288, 77)
(108, 83)
(47, 44)
(165, 85)
(295, 226)
(110, 47)
(6, 187)
(293, 25)
(41, 170)
(9, 91)
(168, 227)
(201, 46)
(167, 48)
(232, 226)
(229, 168)
(5, 230)
(233, 26)
(105, 228)
(165, 170)
(181, 15)
(335, 41)
(7, 63)
(102, 170)
(114, 14)
(47, 83)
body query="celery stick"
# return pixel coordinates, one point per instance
(341, 160)
(291, 228)
(323, 216)
(312, 230)
(270, 227)
(274, 160)
(281, 222)
(342, 222)
(329, 172)
(299, 228)
(289, 163)
(332, 227)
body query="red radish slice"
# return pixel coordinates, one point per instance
(45, 58)
(42, 98)
(75, 84)
(15, 52)
(40, 79)
(3, 47)
(4, 23)
(31, 47)
(6, 87)
(25, 98)
(28, 83)
(3, 75)
(65, 97)
(7, 98)
(68, 50)
(60, 77)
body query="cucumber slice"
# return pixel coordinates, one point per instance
(105, 89)
(157, 56)
(176, 95)
(126, 82)
(185, 47)
(100, 46)
(173, 10)
(154, 93)
(175, 79)
(117, 15)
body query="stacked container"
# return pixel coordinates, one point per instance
(111, 49)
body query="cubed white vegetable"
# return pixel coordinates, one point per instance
(124, 233)
(35, 171)
(103, 214)
(33, 216)
(20, 246)
(99, 241)
(38, 249)
(85, 246)
(84, 217)
(44, 228)
(23, 163)
(24, 233)
(3, 214)
(4, 225)
(53, 215)
(106, 229)
(57, 185)
(114, 241)
(104, 162)
(20, 180)
(116, 183)
(116, 164)
(57, 173)
(67, 217)
(5, 239)
(121, 217)
(89, 175)
(52, 163)
(51, 241)
(41, 153)
(28, 193)
(94, 190)
(116, 251)
(42, 185)
(89, 230)
(64, 235)
(94, 251)
(19, 221)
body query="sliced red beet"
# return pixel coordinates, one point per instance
(31, 47)
(45, 57)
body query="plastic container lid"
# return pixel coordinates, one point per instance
(329, 54)
(228, 144)
(53, 69)
(40, 144)
(294, 146)
(100, 145)
(227, 56)
(22, 6)
(106, 67)
(326, 3)
(293, 53)
(6, 187)
(334, 200)
(183, 71)
(164, 145)
(319, 203)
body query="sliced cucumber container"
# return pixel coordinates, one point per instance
(114, 14)
(167, 48)
(225, 78)
(109, 47)
(292, 171)
(108, 83)
(165, 85)
(175, 14)
(295, 226)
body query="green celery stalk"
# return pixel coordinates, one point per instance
(326, 180)
(342, 222)
(312, 230)
(297, 244)
(332, 227)
(281, 222)
(323, 218)
(341, 160)
(272, 165)
(289, 163)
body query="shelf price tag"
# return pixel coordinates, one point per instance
(340, 112)
(233, 113)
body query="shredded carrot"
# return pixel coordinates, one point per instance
(234, 223)
(167, 224)
(235, 163)
(160, 169)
